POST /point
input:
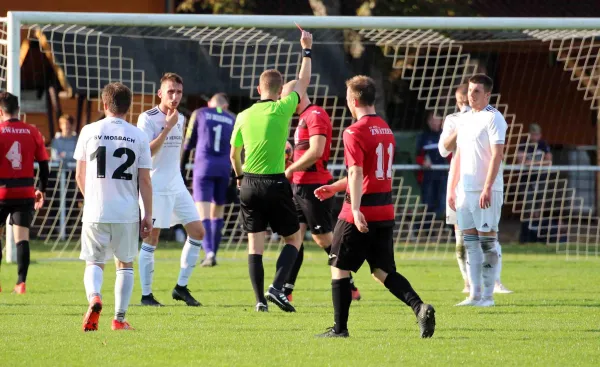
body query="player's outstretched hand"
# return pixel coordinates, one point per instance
(172, 118)
(39, 200)
(145, 227)
(359, 221)
(452, 201)
(324, 192)
(485, 199)
(306, 39)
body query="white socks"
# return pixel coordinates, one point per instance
(189, 257)
(490, 261)
(475, 256)
(461, 254)
(499, 266)
(92, 280)
(123, 289)
(146, 265)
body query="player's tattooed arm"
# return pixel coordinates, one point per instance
(80, 176)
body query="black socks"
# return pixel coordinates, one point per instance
(341, 294)
(401, 288)
(257, 277)
(285, 262)
(23, 258)
(291, 279)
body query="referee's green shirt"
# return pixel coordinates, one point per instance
(263, 131)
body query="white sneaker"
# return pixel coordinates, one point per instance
(468, 302)
(486, 302)
(500, 288)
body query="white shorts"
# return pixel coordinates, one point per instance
(99, 241)
(450, 215)
(170, 210)
(469, 215)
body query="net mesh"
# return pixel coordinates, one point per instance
(429, 64)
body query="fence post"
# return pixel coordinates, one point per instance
(62, 202)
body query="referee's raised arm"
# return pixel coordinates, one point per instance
(305, 69)
(266, 202)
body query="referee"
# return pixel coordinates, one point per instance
(265, 193)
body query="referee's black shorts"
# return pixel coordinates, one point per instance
(350, 247)
(266, 200)
(20, 210)
(315, 213)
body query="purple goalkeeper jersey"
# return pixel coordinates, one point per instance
(209, 131)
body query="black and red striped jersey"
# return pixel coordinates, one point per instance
(314, 120)
(21, 145)
(369, 143)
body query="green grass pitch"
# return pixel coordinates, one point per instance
(552, 319)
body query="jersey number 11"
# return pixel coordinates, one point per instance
(381, 173)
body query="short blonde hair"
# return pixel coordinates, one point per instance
(362, 89)
(271, 81)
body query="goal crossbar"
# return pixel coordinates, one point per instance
(287, 21)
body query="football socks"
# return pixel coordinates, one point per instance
(257, 277)
(341, 295)
(490, 261)
(92, 280)
(146, 267)
(400, 287)
(284, 265)
(475, 256)
(189, 257)
(123, 289)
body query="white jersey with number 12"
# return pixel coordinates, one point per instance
(113, 150)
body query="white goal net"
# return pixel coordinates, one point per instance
(546, 77)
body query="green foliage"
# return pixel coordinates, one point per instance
(216, 6)
(449, 8)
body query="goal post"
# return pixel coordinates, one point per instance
(427, 56)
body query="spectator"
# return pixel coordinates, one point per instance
(537, 151)
(64, 142)
(433, 185)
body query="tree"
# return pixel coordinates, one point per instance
(216, 6)
(449, 8)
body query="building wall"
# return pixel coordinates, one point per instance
(108, 6)
(540, 91)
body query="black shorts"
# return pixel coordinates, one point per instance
(20, 210)
(266, 200)
(350, 247)
(315, 213)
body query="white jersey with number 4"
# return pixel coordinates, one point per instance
(478, 131)
(166, 175)
(113, 150)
